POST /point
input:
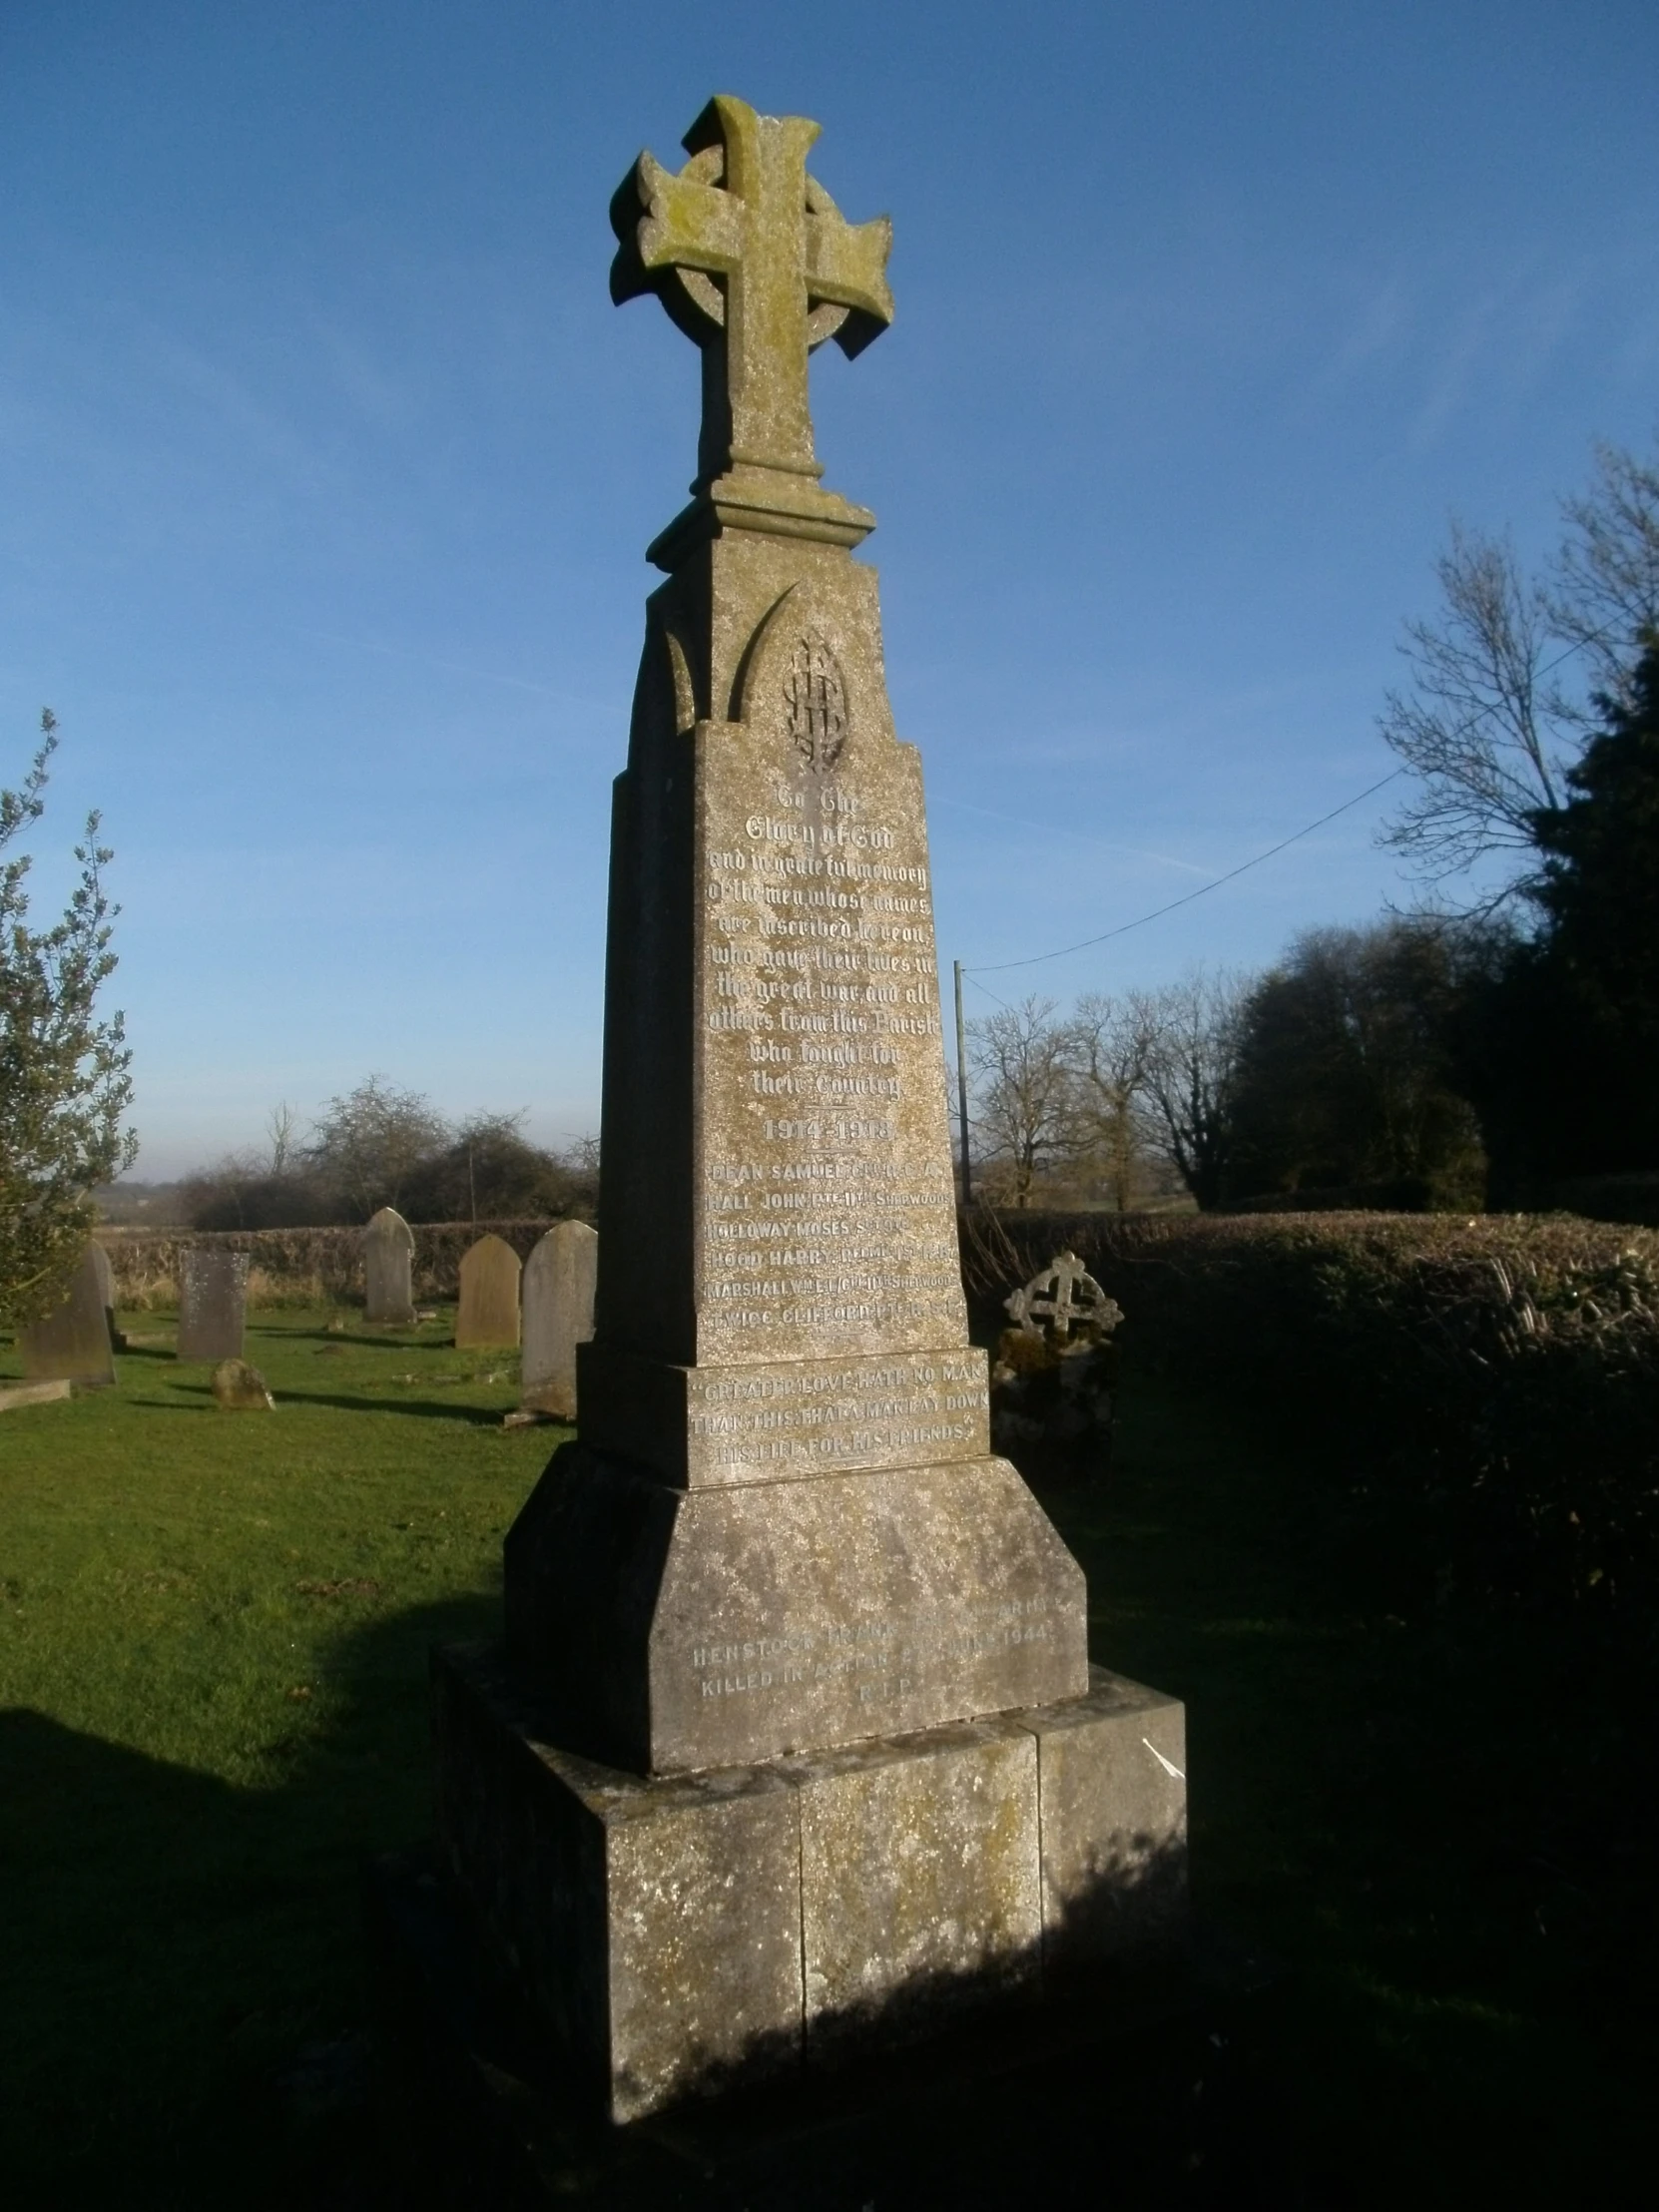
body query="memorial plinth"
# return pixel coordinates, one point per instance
(793, 1740)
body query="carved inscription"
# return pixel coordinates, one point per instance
(878, 1661)
(816, 1415)
(828, 1207)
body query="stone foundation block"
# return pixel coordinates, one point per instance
(680, 1933)
(655, 1925)
(1113, 1779)
(919, 1889)
(679, 1630)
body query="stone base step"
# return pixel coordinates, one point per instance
(1088, 2099)
(684, 1934)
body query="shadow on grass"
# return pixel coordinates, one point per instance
(180, 1980)
(422, 1408)
(1427, 1819)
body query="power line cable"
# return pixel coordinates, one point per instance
(1035, 959)
(998, 967)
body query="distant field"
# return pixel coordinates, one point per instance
(213, 1648)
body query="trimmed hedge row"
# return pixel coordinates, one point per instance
(300, 1266)
(1485, 1393)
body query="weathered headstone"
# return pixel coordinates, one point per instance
(558, 1292)
(794, 1739)
(106, 1291)
(487, 1316)
(241, 1389)
(388, 1267)
(72, 1344)
(212, 1302)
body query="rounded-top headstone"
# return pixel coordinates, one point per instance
(488, 1315)
(559, 1278)
(72, 1344)
(388, 1267)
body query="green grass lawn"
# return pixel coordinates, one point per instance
(213, 1645)
(213, 1648)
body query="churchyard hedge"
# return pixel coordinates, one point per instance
(1480, 1397)
(298, 1267)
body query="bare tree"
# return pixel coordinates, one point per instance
(1192, 1075)
(1487, 742)
(1505, 679)
(368, 1143)
(283, 1129)
(1603, 592)
(1024, 1083)
(1109, 1044)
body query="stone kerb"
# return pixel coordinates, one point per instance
(557, 1313)
(73, 1343)
(487, 1318)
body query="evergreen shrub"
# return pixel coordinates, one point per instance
(1483, 1392)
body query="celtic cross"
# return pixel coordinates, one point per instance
(754, 260)
(1063, 1293)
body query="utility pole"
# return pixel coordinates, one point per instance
(962, 1092)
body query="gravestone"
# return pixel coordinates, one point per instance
(106, 1291)
(72, 1344)
(388, 1267)
(241, 1389)
(487, 1318)
(794, 1742)
(558, 1316)
(212, 1302)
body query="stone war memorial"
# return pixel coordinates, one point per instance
(793, 1746)
(558, 1294)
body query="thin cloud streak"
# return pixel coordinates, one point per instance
(459, 668)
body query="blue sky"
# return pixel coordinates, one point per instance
(329, 467)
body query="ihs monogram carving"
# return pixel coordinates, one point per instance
(817, 704)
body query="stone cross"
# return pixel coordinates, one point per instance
(487, 1318)
(755, 262)
(212, 1302)
(1062, 1292)
(559, 1278)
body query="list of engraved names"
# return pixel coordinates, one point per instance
(827, 1204)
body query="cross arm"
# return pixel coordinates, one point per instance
(846, 264)
(664, 222)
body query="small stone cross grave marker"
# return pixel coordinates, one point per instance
(73, 1343)
(1064, 1295)
(212, 1304)
(488, 1315)
(388, 1267)
(559, 1278)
